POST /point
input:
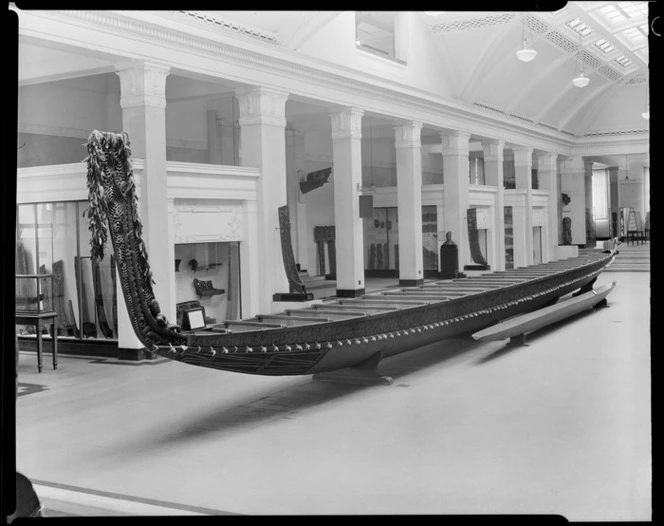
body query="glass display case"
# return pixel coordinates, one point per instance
(34, 293)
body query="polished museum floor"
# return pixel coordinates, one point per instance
(559, 426)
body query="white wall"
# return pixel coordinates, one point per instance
(621, 109)
(54, 120)
(424, 68)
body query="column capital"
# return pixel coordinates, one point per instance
(408, 135)
(455, 143)
(493, 149)
(261, 105)
(547, 161)
(142, 83)
(347, 123)
(523, 155)
(572, 165)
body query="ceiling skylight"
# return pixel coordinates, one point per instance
(623, 61)
(604, 45)
(622, 11)
(580, 27)
(636, 34)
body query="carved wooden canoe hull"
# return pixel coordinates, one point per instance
(343, 343)
(331, 335)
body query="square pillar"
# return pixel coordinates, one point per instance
(297, 208)
(523, 216)
(614, 200)
(409, 202)
(588, 189)
(493, 174)
(214, 150)
(347, 167)
(455, 190)
(263, 138)
(572, 184)
(547, 170)
(143, 103)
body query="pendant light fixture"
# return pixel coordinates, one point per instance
(646, 113)
(525, 54)
(580, 81)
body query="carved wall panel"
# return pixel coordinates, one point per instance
(205, 222)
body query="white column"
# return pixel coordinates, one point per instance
(588, 190)
(296, 206)
(263, 138)
(214, 137)
(614, 200)
(455, 190)
(493, 174)
(305, 236)
(347, 169)
(632, 188)
(572, 183)
(143, 102)
(250, 262)
(547, 172)
(523, 216)
(409, 202)
(292, 190)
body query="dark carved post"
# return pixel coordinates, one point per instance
(449, 258)
(332, 251)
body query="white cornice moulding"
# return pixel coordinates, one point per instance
(391, 96)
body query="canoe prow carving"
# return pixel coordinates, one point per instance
(112, 198)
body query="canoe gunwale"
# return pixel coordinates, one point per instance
(383, 322)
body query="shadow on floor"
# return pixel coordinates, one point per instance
(287, 402)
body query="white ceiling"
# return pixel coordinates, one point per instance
(480, 52)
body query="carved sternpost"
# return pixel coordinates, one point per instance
(522, 215)
(347, 175)
(493, 173)
(263, 139)
(143, 103)
(547, 171)
(455, 150)
(407, 142)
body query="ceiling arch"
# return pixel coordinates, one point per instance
(487, 57)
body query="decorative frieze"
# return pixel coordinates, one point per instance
(142, 84)
(347, 123)
(455, 143)
(262, 106)
(408, 135)
(201, 223)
